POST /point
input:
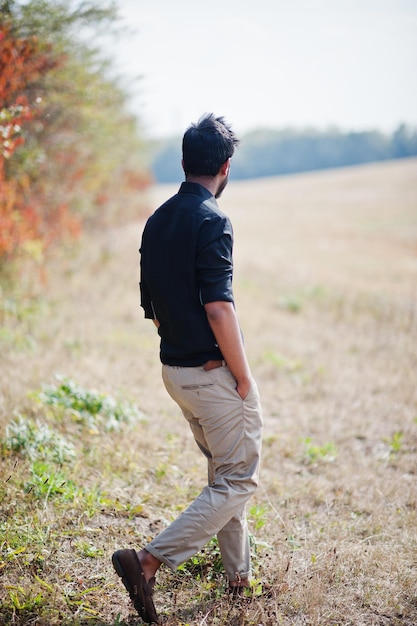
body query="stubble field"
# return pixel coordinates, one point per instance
(326, 292)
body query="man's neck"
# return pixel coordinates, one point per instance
(209, 182)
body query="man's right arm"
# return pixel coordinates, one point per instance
(223, 322)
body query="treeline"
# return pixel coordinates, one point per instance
(69, 152)
(267, 152)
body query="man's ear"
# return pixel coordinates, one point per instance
(224, 169)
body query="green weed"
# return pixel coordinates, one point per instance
(37, 441)
(21, 536)
(46, 482)
(22, 600)
(395, 443)
(207, 564)
(313, 453)
(97, 411)
(92, 501)
(87, 549)
(160, 471)
(78, 602)
(257, 515)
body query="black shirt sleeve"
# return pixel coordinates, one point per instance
(214, 263)
(145, 301)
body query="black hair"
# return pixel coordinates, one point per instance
(207, 145)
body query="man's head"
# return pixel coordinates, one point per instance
(207, 146)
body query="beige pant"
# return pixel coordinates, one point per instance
(228, 431)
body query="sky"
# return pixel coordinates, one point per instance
(270, 63)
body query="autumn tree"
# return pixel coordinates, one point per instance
(22, 64)
(69, 149)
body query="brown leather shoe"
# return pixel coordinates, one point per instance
(128, 567)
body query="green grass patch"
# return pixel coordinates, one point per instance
(37, 440)
(91, 408)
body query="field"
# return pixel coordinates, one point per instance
(95, 456)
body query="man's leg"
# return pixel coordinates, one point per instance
(234, 546)
(233, 541)
(231, 428)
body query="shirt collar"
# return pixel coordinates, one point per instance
(195, 188)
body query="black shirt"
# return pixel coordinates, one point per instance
(186, 262)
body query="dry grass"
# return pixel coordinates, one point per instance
(326, 289)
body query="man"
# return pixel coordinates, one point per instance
(186, 289)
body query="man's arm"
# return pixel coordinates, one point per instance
(225, 326)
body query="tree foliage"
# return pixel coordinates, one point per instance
(69, 150)
(268, 152)
(271, 153)
(22, 64)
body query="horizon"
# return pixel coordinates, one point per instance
(275, 65)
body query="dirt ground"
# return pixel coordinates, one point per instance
(326, 292)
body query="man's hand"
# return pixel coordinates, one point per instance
(243, 388)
